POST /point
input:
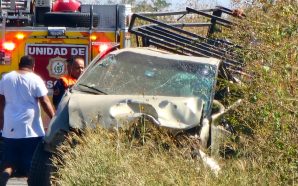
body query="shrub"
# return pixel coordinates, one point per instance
(269, 36)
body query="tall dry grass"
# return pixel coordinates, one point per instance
(142, 154)
(269, 114)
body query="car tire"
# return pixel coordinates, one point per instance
(69, 19)
(41, 167)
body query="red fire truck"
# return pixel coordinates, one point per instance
(53, 31)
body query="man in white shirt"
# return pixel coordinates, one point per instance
(21, 92)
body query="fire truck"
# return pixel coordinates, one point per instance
(53, 31)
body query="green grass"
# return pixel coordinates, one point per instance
(267, 121)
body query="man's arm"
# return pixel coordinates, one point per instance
(2, 105)
(47, 105)
(58, 92)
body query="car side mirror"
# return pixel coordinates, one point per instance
(214, 120)
(222, 110)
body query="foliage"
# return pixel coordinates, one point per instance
(147, 6)
(269, 36)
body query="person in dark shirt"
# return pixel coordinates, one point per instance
(75, 67)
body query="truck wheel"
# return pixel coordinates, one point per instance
(69, 19)
(41, 167)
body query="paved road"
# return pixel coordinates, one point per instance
(17, 182)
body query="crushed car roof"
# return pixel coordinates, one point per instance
(163, 54)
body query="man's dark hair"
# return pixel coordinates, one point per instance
(27, 62)
(72, 59)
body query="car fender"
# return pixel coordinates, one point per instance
(59, 125)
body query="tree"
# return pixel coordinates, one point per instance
(153, 6)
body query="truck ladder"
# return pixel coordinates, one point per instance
(173, 38)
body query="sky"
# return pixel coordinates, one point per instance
(217, 2)
(225, 3)
(176, 4)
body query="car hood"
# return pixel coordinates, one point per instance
(87, 110)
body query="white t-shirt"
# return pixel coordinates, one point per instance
(22, 117)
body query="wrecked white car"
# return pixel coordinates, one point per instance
(174, 91)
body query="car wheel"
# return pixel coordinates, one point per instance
(69, 19)
(41, 167)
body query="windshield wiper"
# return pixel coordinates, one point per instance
(93, 88)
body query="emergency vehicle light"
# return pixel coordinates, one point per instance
(9, 45)
(103, 47)
(20, 36)
(93, 37)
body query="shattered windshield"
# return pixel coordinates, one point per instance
(124, 74)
